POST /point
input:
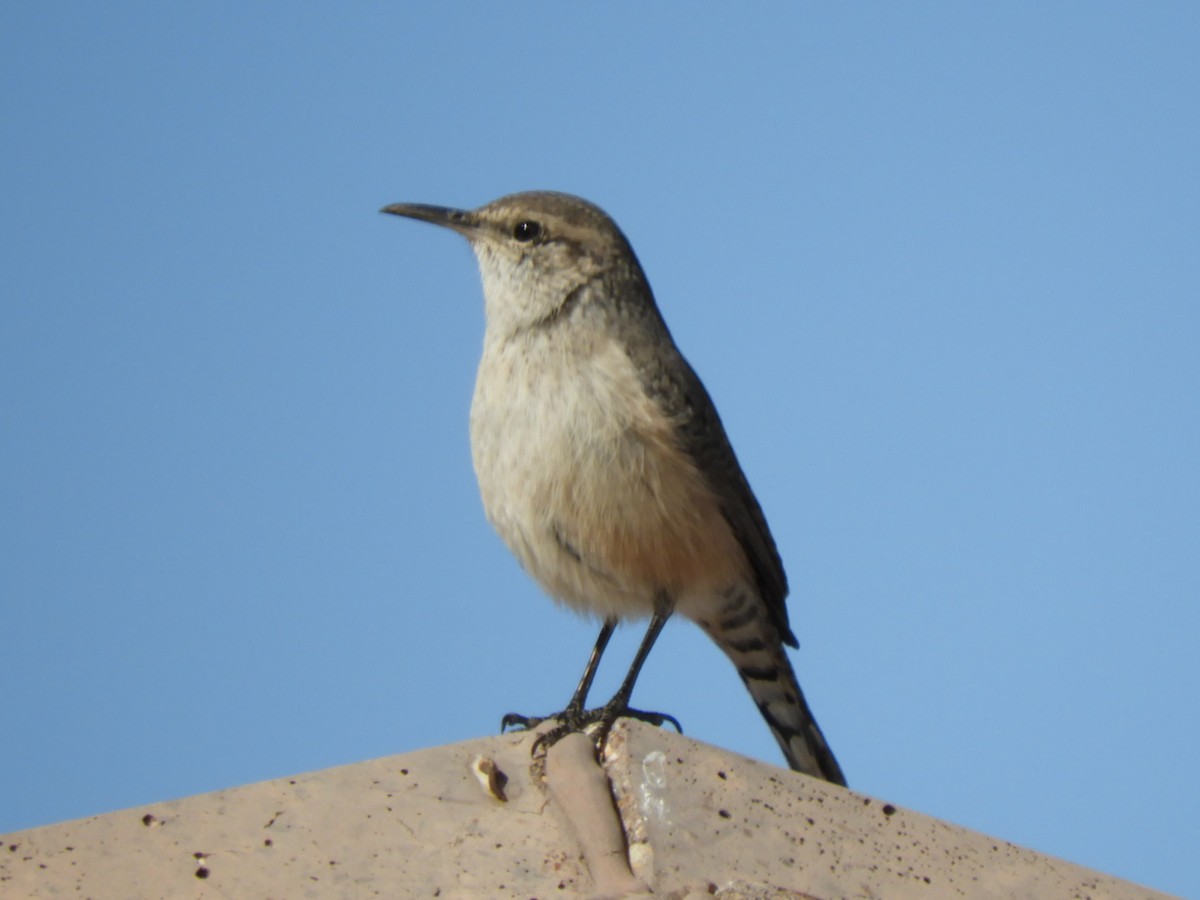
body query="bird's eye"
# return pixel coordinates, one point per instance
(527, 231)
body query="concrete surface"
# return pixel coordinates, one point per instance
(478, 820)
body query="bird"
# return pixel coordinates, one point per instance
(603, 464)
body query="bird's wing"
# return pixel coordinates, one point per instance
(672, 382)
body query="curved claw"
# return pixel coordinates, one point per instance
(652, 718)
(524, 723)
(571, 720)
(549, 738)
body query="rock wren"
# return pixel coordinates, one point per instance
(604, 466)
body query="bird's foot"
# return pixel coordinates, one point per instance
(596, 722)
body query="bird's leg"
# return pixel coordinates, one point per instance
(575, 718)
(579, 699)
(575, 708)
(618, 706)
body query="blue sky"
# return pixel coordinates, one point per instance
(937, 264)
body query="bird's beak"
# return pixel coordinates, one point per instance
(460, 220)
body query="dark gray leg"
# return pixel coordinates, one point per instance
(575, 707)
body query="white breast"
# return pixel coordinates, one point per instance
(581, 476)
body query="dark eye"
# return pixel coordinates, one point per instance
(527, 231)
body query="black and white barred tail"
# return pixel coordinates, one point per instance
(752, 642)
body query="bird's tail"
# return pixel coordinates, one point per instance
(757, 651)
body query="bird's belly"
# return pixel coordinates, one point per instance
(582, 477)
